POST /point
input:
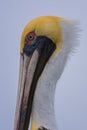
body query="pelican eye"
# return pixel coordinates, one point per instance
(30, 37)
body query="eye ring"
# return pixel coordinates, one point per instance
(31, 37)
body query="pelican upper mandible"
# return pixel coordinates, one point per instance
(45, 45)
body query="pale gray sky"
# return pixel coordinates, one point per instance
(71, 92)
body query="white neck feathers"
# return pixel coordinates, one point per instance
(43, 105)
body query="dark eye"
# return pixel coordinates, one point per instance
(30, 37)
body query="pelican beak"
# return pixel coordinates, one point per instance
(32, 63)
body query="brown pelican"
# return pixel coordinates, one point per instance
(46, 43)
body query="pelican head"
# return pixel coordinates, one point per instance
(45, 45)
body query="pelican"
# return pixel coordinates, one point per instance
(45, 46)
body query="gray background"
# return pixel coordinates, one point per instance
(71, 92)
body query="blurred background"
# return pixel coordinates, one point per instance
(71, 90)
